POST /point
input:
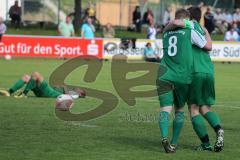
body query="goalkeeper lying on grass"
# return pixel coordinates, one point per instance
(40, 88)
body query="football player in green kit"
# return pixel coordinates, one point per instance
(178, 59)
(40, 88)
(202, 91)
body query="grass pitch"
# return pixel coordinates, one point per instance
(29, 128)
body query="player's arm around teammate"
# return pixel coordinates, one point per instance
(189, 24)
(202, 94)
(180, 90)
(178, 75)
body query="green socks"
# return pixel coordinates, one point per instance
(200, 129)
(30, 85)
(19, 84)
(164, 118)
(177, 126)
(213, 120)
(197, 122)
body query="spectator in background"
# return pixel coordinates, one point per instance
(228, 18)
(66, 28)
(90, 11)
(167, 16)
(236, 16)
(149, 54)
(231, 35)
(209, 21)
(219, 21)
(15, 15)
(201, 4)
(145, 19)
(236, 28)
(108, 31)
(151, 32)
(87, 30)
(3, 28)
(137, 18)
(148, 16)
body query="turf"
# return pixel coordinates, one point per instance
(29, 128)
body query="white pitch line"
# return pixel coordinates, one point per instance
(80, 124)
(219, 104)
(88, 125)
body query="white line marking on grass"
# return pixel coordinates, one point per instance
(221, 104)
(227, 107)
(88, 125)
(81, 124)
(229, 102)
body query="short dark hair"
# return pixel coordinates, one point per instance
(195, 13)
(148, 44)
(137, 7)
(182, 13)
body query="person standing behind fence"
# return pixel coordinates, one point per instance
(15, 14)
(167, 16)
(90, 10)
(66, 28)
(137, 19)
(87, 30)
(147, 17)
(151, 32)
(209, 21)
(3, 28)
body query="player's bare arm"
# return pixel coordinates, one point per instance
(208, 46)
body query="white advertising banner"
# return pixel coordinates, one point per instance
(134, 49)
(226, 51)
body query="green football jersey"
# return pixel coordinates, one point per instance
(177, 58)
(201, 58)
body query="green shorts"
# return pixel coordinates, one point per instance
(202, 91)
(44, 90)
(177, 97)
(60, 89)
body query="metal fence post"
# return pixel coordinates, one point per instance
(22, 7)
(58, 14)
(6, 14)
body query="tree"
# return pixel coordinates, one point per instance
(78, 9)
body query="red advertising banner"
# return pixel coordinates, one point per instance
(54, 47)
